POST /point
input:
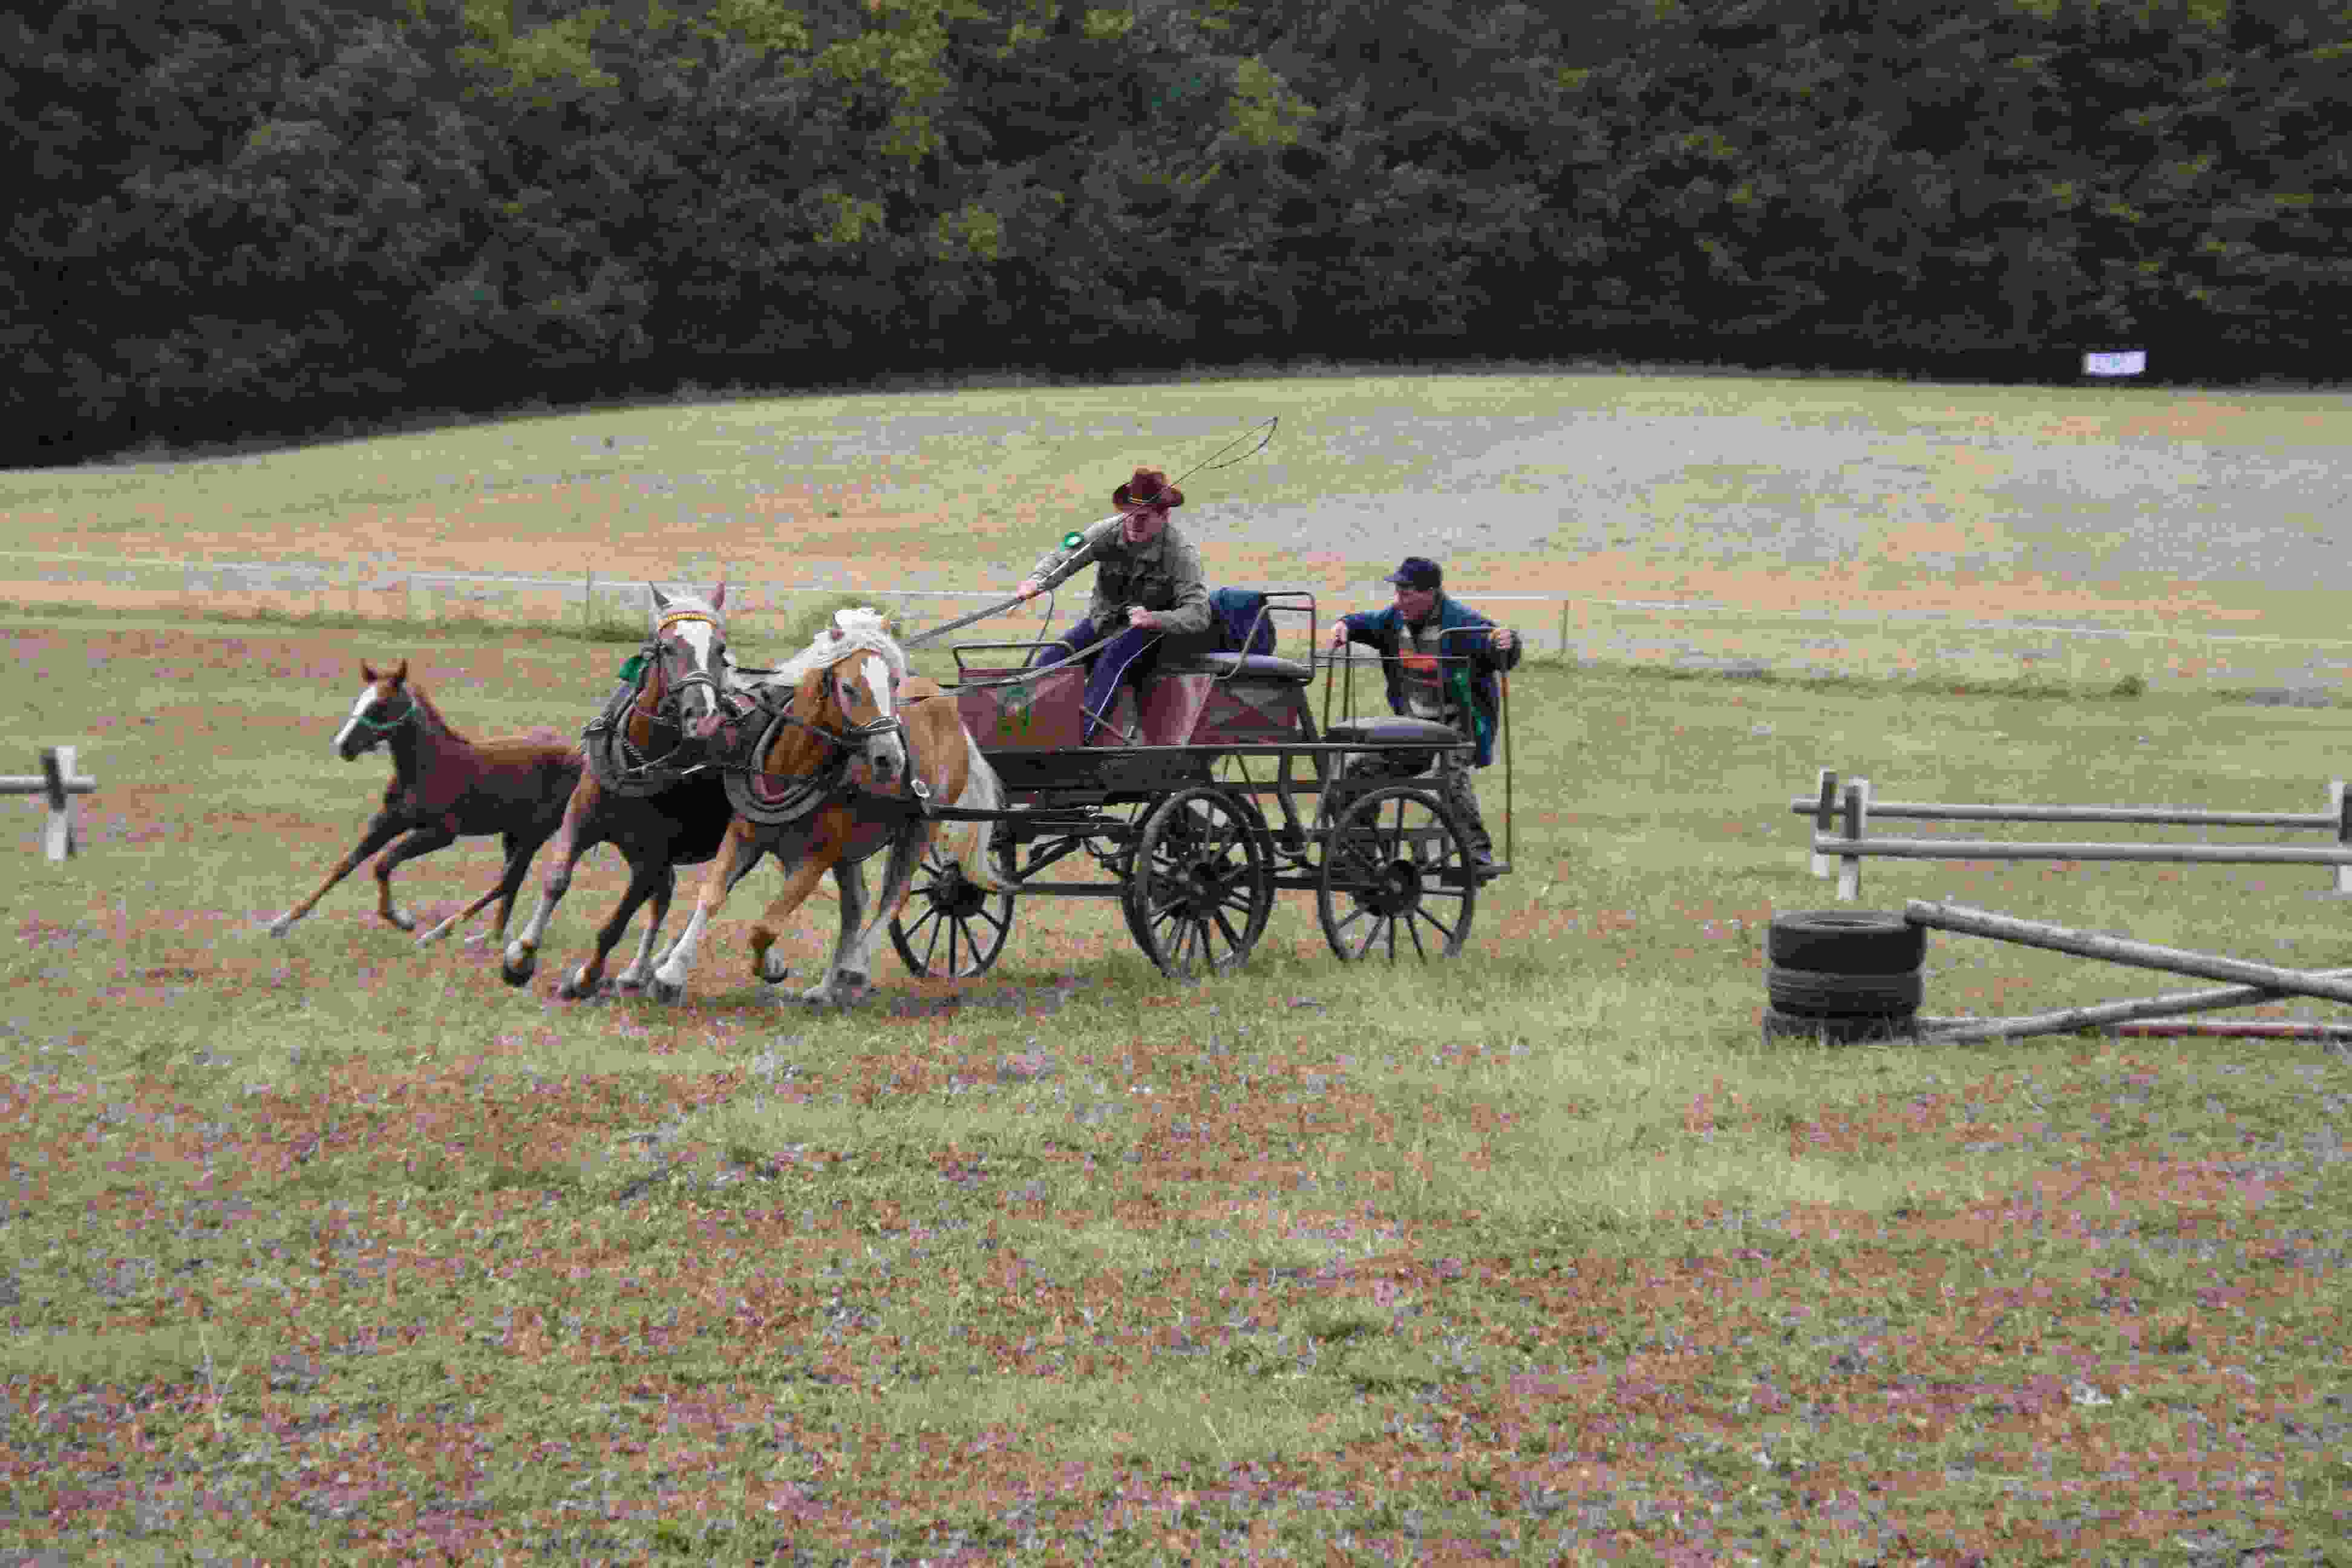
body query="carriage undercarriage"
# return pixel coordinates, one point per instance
(1195, 837)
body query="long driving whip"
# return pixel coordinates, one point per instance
(1215, 460)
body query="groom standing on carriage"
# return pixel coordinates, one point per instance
(1148, 583)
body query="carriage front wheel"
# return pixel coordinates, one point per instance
(1395, 866)
(950, 924)
(1201, 883)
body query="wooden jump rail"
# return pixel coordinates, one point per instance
(57, 781)
(2252, 982)
(1852, 808)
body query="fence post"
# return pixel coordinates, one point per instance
(1824, 815)
(588, 601)
(56, 766)
(2339, 802)
(1857, 823)
(1563, 631)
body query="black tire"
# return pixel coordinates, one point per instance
(1808, 992)
(1779, 1026)
(1845, 942)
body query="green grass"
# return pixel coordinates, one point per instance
(324, 1247)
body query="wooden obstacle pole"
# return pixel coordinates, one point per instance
(2107, 1015)
(61, 784)
(2010, 849)
(2124, 949)
(1849, 850)
(2236, 1028)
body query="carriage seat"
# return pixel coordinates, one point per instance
(1394, 732)
(1237, 666)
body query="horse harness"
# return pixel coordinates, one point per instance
(616, 762)
(620, 766)
(802, 794)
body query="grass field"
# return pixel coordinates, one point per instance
(1839, 526)
(326, 1248)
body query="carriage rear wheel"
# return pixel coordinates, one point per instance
(950, 924)
(1201, 883)
(1395, 864)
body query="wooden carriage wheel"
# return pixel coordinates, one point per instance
(945, 909)
(1200, 884)
(1395, 863)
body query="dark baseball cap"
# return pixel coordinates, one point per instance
(1418, 573)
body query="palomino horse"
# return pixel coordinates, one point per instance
(445, 786)
(660, 813)
(866, 747)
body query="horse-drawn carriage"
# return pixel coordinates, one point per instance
(1170, 803)
(979, 788)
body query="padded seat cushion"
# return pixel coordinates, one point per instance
(1239, 667)
(1394, 733)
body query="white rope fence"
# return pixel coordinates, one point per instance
(1693, 635)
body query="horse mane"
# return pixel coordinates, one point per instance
(433, 711)
(861, 630)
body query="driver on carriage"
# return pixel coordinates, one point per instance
(1439, 658)
(1148, 581)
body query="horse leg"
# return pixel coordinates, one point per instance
(854, 964)
(501, 892)
(382, 829)
(422, 840)
(435, 933)
(641, 968)
(573, 840)
(799, 883)
(519, 849)
(644, 876)
(738, 852)
(846, 976)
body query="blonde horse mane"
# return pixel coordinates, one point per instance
(861, 630)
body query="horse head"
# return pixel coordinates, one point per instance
(688, 639)
(861, 691)
(384, 704)
(848, 691)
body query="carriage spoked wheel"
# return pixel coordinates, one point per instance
(1201, 883)
(1397, 878)
(946, 909)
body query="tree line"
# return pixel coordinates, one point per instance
(235, 217)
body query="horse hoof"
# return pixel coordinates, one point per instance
(480, 939)
(514, 973)
(662, 991)
(571, 990)
(402, 919)
(281, 925)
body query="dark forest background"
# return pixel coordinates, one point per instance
(233, 218)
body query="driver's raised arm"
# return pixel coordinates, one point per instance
(1058, 563)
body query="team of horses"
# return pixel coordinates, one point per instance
(836, 756)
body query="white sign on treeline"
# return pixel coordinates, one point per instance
(2123, 361)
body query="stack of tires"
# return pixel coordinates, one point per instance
(1843, 975)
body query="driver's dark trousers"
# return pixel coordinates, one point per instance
(1127, 657)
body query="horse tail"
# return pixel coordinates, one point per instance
(983, 790)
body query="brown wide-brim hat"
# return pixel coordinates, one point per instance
(1149, 488)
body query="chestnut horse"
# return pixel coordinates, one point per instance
(445, 786)
(668, 813)
(874, 746)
